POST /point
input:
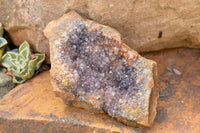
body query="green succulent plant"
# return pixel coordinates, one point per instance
(3, 42)
(22, 65)
(1, 30)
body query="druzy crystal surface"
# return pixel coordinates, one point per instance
(100, 73)
(93, 69)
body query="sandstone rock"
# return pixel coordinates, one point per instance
(6, 84)
(91, 68)
(144, 25)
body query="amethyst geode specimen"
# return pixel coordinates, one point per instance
(91, 68)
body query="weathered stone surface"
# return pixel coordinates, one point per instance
(6, 83)
(178, 108)
(144, 25)
(93, 69)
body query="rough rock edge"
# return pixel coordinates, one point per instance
(70, 98)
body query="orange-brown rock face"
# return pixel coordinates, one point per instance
(92, 69)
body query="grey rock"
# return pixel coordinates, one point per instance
(6, 83)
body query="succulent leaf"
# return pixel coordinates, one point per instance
(14, 72)
(12, 68)
(40, 59)
(7, 57)
(26, 53)
(12, 55)
(24, 45)
(1, 30)
(31, 68)
(20, 64)
(3, 44)
(18, 80)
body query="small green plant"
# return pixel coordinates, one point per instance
(1, 30)
(22, 65)
(3, 42)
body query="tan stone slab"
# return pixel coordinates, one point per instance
(178, 109)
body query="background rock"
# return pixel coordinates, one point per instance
(144, 25)
(6, 83)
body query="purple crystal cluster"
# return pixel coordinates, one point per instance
(101, 70)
